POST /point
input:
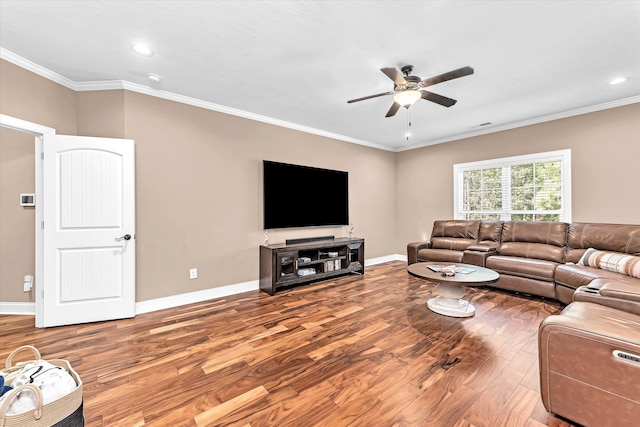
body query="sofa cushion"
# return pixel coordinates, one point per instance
(574, 275)
(532, 250)
(451, 243)
(458, 228)
(548, 233)
(623, 238)
(523, 267)
(628, 265)
(490, 232)
(440, 255)
(540, 240)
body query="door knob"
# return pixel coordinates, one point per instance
(125, 237)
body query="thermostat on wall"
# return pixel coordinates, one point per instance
(27, 200)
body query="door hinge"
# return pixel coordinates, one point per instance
(42, 224)
(42, 154)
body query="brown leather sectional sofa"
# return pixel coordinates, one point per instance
(589, 354)
(538, 258)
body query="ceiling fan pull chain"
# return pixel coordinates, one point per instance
(408, 133)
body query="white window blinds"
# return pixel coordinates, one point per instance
(534, 187)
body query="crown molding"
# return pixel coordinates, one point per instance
(528, 122)
(9, 56)
(170, 96)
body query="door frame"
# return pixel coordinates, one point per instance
(38, 131)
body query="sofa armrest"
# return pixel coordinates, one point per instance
(478, 254)
(482, 248)
(619, 295)
(621, 290)
(412, 251)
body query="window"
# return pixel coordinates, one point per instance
(535, 187)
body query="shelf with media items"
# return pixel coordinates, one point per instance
(284, 265)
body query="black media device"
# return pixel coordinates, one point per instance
(303, 196)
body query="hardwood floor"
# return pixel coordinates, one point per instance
(356, 351)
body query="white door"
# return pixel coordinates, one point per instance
(89, 229)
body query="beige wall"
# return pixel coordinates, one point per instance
(199, 192)
(605, 157)
(101, 113)
(17, 223)
(199, 182)
(30, 97)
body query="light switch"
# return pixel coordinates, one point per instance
(28, 282)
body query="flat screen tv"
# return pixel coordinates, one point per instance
(304, 196)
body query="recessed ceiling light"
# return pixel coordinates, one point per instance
(618, 80)
(154, 77)
(142, 49)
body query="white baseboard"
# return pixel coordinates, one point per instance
(223, 291)
(383, 259)
(18, 308)
(29, 308)
(192, 297)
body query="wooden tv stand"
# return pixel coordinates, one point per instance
(283, 265)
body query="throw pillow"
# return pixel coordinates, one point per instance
(611, 261)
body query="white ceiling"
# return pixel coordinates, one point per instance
(296, 63)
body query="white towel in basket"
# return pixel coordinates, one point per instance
(53, 381)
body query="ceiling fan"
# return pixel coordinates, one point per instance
(406, 89)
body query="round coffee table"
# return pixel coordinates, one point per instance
(451, 289)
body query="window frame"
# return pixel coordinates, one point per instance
(505, 163)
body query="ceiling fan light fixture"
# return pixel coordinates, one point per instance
(407, 98)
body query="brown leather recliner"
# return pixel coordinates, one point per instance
(528, 256)
(459, 240)
(449, 239)
(589, 359)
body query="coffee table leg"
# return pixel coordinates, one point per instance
(449, 301)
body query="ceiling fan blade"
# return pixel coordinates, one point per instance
(369, 97)
(460, 72)
(394, 75)
(438, 99)
(393, 110)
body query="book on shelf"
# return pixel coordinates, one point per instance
(332, 265)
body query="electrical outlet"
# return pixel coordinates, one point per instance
(193, 273)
